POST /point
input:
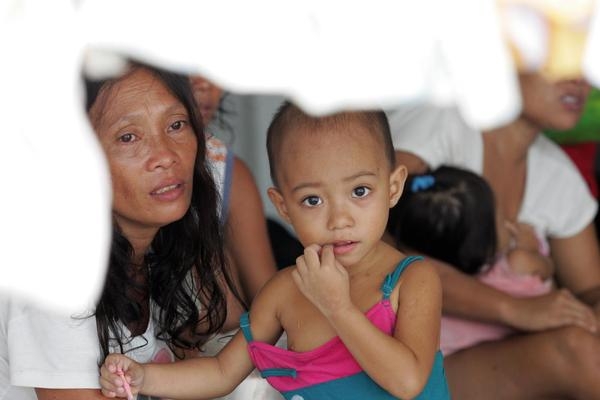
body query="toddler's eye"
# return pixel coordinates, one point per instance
(127, 138)
(312, 201)
(361, 191)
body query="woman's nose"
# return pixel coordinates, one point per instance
(162, 154)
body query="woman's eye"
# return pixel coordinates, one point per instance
(361, 191)
(312, 201)
(178, 125)
(127, 138)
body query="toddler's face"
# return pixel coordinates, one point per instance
(336, 188)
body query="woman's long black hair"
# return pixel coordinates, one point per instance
(189, 248)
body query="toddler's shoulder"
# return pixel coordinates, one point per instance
(280, 284)
(421, 271)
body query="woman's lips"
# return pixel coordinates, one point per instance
(168, 192)
(572, 102)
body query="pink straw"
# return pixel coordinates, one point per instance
(125, 384)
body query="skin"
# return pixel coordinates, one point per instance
(247, 242)
(520, 243)
(330, 200)
(562, 325)
(207, 95)
(150, 145)
(524, 256)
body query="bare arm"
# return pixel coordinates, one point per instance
(247, 238)
(201, 377)
(69, 394)
(577, 260)
(401, 363)
(466, 297)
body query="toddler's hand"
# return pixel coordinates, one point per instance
(323, 280)
(120, 376)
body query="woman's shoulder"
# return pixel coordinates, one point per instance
(557, 199)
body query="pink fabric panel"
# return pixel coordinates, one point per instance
(459, 333)
(330, 361)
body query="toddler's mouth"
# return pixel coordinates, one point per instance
(343, 246)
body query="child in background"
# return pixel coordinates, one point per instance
(450, 214)
(362, 319)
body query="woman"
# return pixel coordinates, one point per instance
(534, 182)
(165, 286)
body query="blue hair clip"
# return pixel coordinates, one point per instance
(422, 182)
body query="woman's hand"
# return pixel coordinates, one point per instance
(555, 309)
(322, 279)
(116, 384)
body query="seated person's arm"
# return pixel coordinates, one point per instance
(465, 296)
(577, 261)
(247, 239)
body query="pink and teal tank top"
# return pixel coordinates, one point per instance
(330, 371)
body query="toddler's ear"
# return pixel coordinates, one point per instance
(279, 203)
(397, 180)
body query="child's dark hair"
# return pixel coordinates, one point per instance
(290, 116)
(186, 266)
(448, 214)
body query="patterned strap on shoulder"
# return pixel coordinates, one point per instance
(392, 279)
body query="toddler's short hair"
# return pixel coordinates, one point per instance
(290, 116)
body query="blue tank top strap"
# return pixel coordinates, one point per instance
(245, 327)
(392, 278)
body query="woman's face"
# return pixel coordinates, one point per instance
(208, 97)
(151, 149)
(552, 105)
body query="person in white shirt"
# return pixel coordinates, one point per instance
(534, 182)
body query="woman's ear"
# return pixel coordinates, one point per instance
(397, 180)
(277, 200)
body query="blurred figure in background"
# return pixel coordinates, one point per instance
(536, 183)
